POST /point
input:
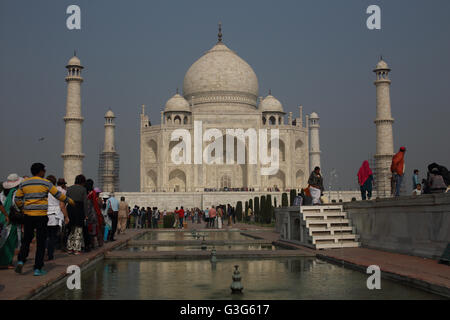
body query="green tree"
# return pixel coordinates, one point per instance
(239, 210)
(269, 209)
(292, 195)
(275, 202)
(250, 203)
(246, 209)
(284, 200)
(262, 209)
(257, 210)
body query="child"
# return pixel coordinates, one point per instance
(418, 190)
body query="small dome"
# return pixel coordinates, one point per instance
(109, 114)
(382, 65)
(177, 103)
(74, 61)
(314, 116)
(271, 104)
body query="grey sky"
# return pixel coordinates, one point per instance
(318, 54)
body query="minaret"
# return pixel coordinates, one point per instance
(109, 173)
(383, 122)
(73, 156)
(314, 144)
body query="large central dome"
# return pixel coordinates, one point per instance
(221, 76)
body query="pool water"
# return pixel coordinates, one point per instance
(198, 247)
(277, 278)
(185, 235)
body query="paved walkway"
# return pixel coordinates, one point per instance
(23, 286)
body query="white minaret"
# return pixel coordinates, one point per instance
(109, 151)
(383, 122)
(314, 144)
(73, 155)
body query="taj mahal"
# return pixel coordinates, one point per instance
(220, 91)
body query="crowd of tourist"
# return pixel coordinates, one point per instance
(214, 217)
(73, 219)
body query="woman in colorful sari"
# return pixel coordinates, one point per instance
(8, 236)
(365, 180)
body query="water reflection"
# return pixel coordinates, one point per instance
(222, 235)
(199, 248)
(282, 278)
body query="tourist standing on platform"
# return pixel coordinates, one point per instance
(77, 215)
(112, 208)
(10, 235)
(143, 218)
(155, 217)
(365, 180)
(206, 215)
(107, 219)
(436, 181)
(229, 214)
(123, 215)
(97, 202)
(32, 196)
(57, 214)
(92, 220)
(219, 217)
(150, 217)
(315, 182)
(418, 190)
(415, 179)
(398, 169)
(212, 217)
(181, 217)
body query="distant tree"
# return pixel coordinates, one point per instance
(262, 209)
(257, 210)
(239, 210)
(250, 203)
(269, 209)
(284, 200)
(246, 209)
(275, 202)
(292, 195)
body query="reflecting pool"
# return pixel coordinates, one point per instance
(278, 278)
(198, 247)
(186, 235)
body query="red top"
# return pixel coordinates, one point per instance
(93, 197)
(180, 213)
(364, 173)
(398, 163)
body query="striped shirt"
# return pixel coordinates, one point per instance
(32, 196)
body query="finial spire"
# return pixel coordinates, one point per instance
(270, 92)
(220, 32)
(177, 90)
(381, 57)
(74, 53)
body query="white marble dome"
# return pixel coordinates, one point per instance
(314, 115)
(109, 114)
(74, 61)
(220, 75)
(177, 103)
(271, 104)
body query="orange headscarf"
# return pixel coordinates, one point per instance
(398, 163)
(364, 173)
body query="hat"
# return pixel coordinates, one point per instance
(61, 182)
(97, 190)
(402, 149)
(12, 181)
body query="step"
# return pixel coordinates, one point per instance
(331, 230)
(327, 222)
(309, 209)
(337, 245)
(350, 236)
(311, 216)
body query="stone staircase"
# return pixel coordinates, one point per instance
(327, 227)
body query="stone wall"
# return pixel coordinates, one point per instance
(414, 225)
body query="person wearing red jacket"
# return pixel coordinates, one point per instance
(398, 169)
(180, 216)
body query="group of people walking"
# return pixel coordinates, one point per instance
(213, 217)
(73, 219)
(144, 218)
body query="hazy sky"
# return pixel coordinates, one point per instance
(318, 54)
